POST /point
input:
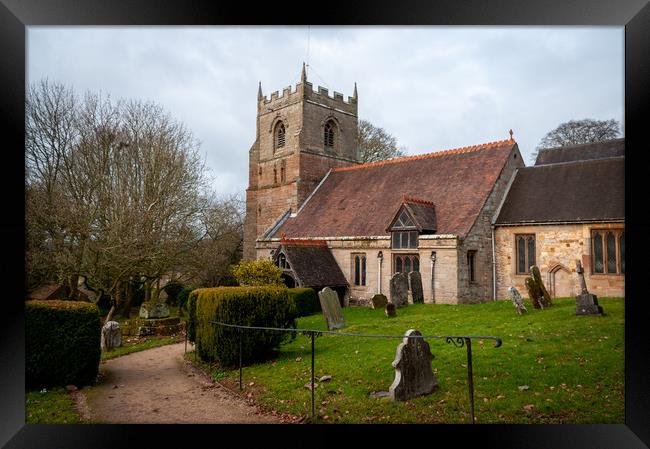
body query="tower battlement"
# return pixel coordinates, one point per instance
(305, 90)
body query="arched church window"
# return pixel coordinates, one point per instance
(280, 133)
(328, 134)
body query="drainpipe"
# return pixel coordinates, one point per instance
(380, 257)
(433, 267)
(494, 269)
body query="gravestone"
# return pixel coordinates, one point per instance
(586, 303)
(413, 374)
(517, 300)
(399, 287)
(379, 301)
(329, 303)
(415, 281)
(536, 290)
(390, 310)
(111, 336)
(154, 309)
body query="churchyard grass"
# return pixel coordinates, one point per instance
(553, 366)
(50, 406)
(135, 344)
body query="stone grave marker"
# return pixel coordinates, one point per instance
(413, 374)
(415, 281)
(545, 297)
(586, 303)
(379, 301)
(154, 309)
(111, 336)
(517, 300)
(329, 303)
(399, 287)
(390, 310)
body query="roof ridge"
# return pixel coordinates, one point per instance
(460, 150)
(410, 199)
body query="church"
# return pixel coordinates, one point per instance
(327, 220)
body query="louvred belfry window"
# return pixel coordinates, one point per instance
(328, 135)
(279, 135)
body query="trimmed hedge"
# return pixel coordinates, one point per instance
(191, 312)
(62, 343)
(306, 300)
(269, 306)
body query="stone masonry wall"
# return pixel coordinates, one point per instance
(479, 239)
(557, 246)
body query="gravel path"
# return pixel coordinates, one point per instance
(158, 386)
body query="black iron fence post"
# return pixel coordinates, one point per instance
(240, 357)
(186, 338)
(470, 378)
(313, 387)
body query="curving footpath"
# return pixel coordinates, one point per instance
(158, 386)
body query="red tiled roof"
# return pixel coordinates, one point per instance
(361, 200)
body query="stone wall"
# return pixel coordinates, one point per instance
(557, 246)
(479, 239)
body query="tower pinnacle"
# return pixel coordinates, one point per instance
(259, 92)
(303, 74)
(354, 94)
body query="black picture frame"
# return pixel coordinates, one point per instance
(16, 15)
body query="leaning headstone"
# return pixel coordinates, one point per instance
(517, 300)
(111, 336)
(329, 303)
(545, 297)
(390, 310)
(415, 281)
(586, 303)
(399, 287)
(413, 374)
(533, 292)
(154, 309)
(379, 301)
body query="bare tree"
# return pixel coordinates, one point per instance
(576, 132)
(375, 144)
(115, 191)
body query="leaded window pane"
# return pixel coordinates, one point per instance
(356, 270)
(416, 263)
(531, 252)
(611, 253)
(395, 240)
(363, 270)
(398, 265)
(598, 254)
(521, 255)
(621, 251)
(407, 264)
(413, 240)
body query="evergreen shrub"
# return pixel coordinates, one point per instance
(191, 315)
(269, 306)
(306, 300)
(257, 272)
(62, 343)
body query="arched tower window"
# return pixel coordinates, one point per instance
(328, 134)
(280, 134)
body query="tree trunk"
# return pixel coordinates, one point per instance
(129, 299)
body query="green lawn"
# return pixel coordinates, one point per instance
(50, 406)
(573, 366)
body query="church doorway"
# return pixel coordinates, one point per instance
(561, 282)
(288, 280)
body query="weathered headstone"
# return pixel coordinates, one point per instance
(329, 303)
(390, 310)
(517, 300)
(586, 303)
(154, 309)
(415, 281)
(399, 287)
(413, 374)
(545, 297)
(379, 301)
(111, 336)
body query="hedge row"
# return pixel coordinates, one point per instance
(191, 312)
(62, 343)
(306, 300)
(269, 306)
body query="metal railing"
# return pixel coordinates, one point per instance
(457, 340)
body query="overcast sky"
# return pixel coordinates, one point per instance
(433, 88)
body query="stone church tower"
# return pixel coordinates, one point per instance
(300, 136)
